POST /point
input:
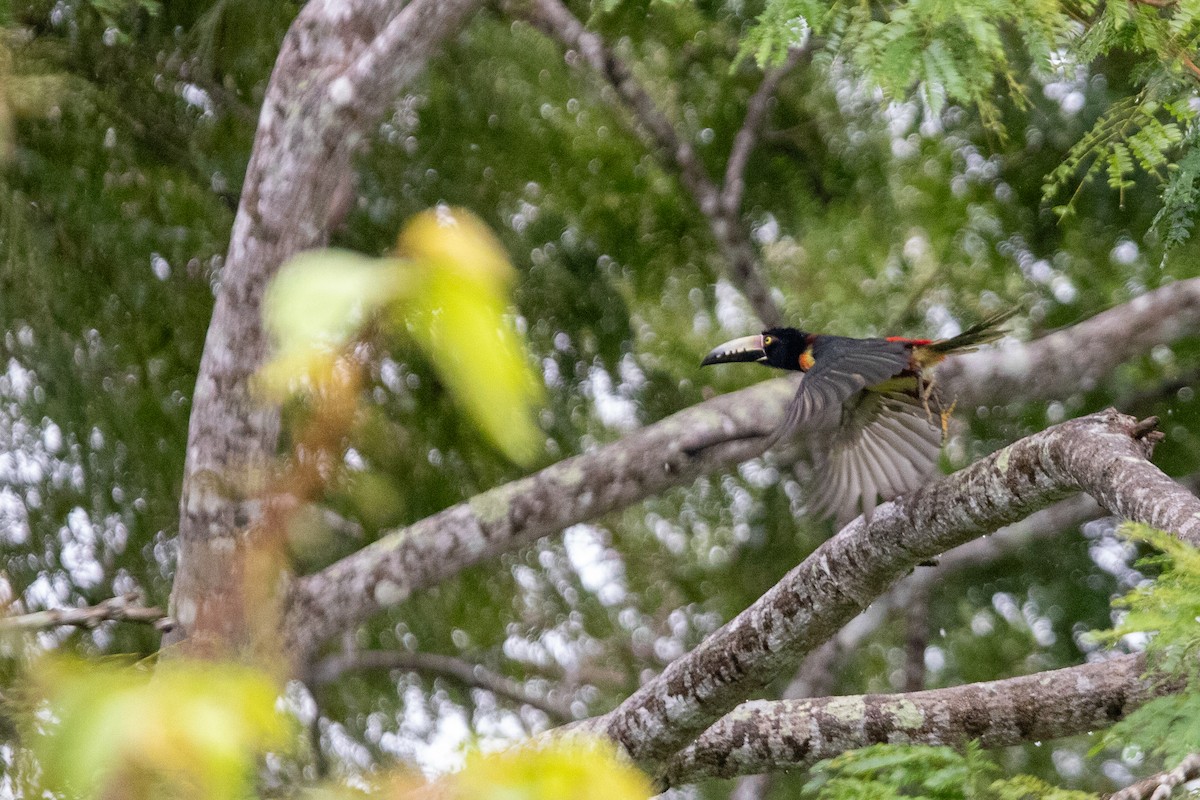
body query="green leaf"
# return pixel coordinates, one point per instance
(318, 302)
(1168, 728)
(458, 312)
(577, 768)
(191, 727)
(1027, 787)
(451, 293)
(1167, 608)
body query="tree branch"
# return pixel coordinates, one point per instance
(1078, 358)
(712, 436)
(747, 136)
(813, 677)
(339, 65)
(125, 608)
(387, 571)
(765, 735)
(817, 674)
(1159, 787)
(556, 21)
(1098, 454)
(466, 673)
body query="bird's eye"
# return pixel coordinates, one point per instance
(768, 341)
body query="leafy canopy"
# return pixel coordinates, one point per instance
(980, 52)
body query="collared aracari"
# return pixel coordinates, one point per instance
(867, 407)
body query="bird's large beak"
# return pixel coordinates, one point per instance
(747, 348)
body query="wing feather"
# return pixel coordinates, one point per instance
(885, 446)
(902, 441)
(882, 461)
(841, 368)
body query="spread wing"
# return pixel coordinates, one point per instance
(841, 368)
(887, 445)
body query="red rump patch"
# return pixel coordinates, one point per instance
(917, 342)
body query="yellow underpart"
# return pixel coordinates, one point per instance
(902, 384)
(924, 357)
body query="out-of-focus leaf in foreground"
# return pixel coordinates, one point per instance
(316, 305)
(449, 290)
(188, 730)
(458, 313)
(575, 768)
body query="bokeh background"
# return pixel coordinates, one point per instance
(127, 129)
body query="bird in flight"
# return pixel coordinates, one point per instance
(867, 406)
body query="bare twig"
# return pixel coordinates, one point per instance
(916, 639)
(748, 135)
(320, 761)
(765, 735)
(125, 608)
(1161, 786)
(556, 20)
(466, 673)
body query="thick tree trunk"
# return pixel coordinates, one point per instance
(340, 65)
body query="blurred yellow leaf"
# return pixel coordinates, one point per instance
(187, 730)
(458, 313)
(318, 302)
(456, 242)
(450, 289)
(572, 768)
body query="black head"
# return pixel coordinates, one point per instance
(777, 347)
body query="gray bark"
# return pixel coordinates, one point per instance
(340, 64)
(1078, 358)
(657, 457)
(1161, 786)
(1103, 454)
(766, 735)
(712, 436)
(123, 608)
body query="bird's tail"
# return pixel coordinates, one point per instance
(989, 330)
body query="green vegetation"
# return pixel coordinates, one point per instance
(931, 162)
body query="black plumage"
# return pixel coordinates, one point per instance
(866, 407)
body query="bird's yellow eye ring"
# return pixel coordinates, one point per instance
(768, 341)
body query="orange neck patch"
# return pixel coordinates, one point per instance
(807, 360)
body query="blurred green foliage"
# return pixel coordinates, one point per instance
(449, 290)
(190, 730)
(887, 771)
(883, 197)
(1164, 613)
